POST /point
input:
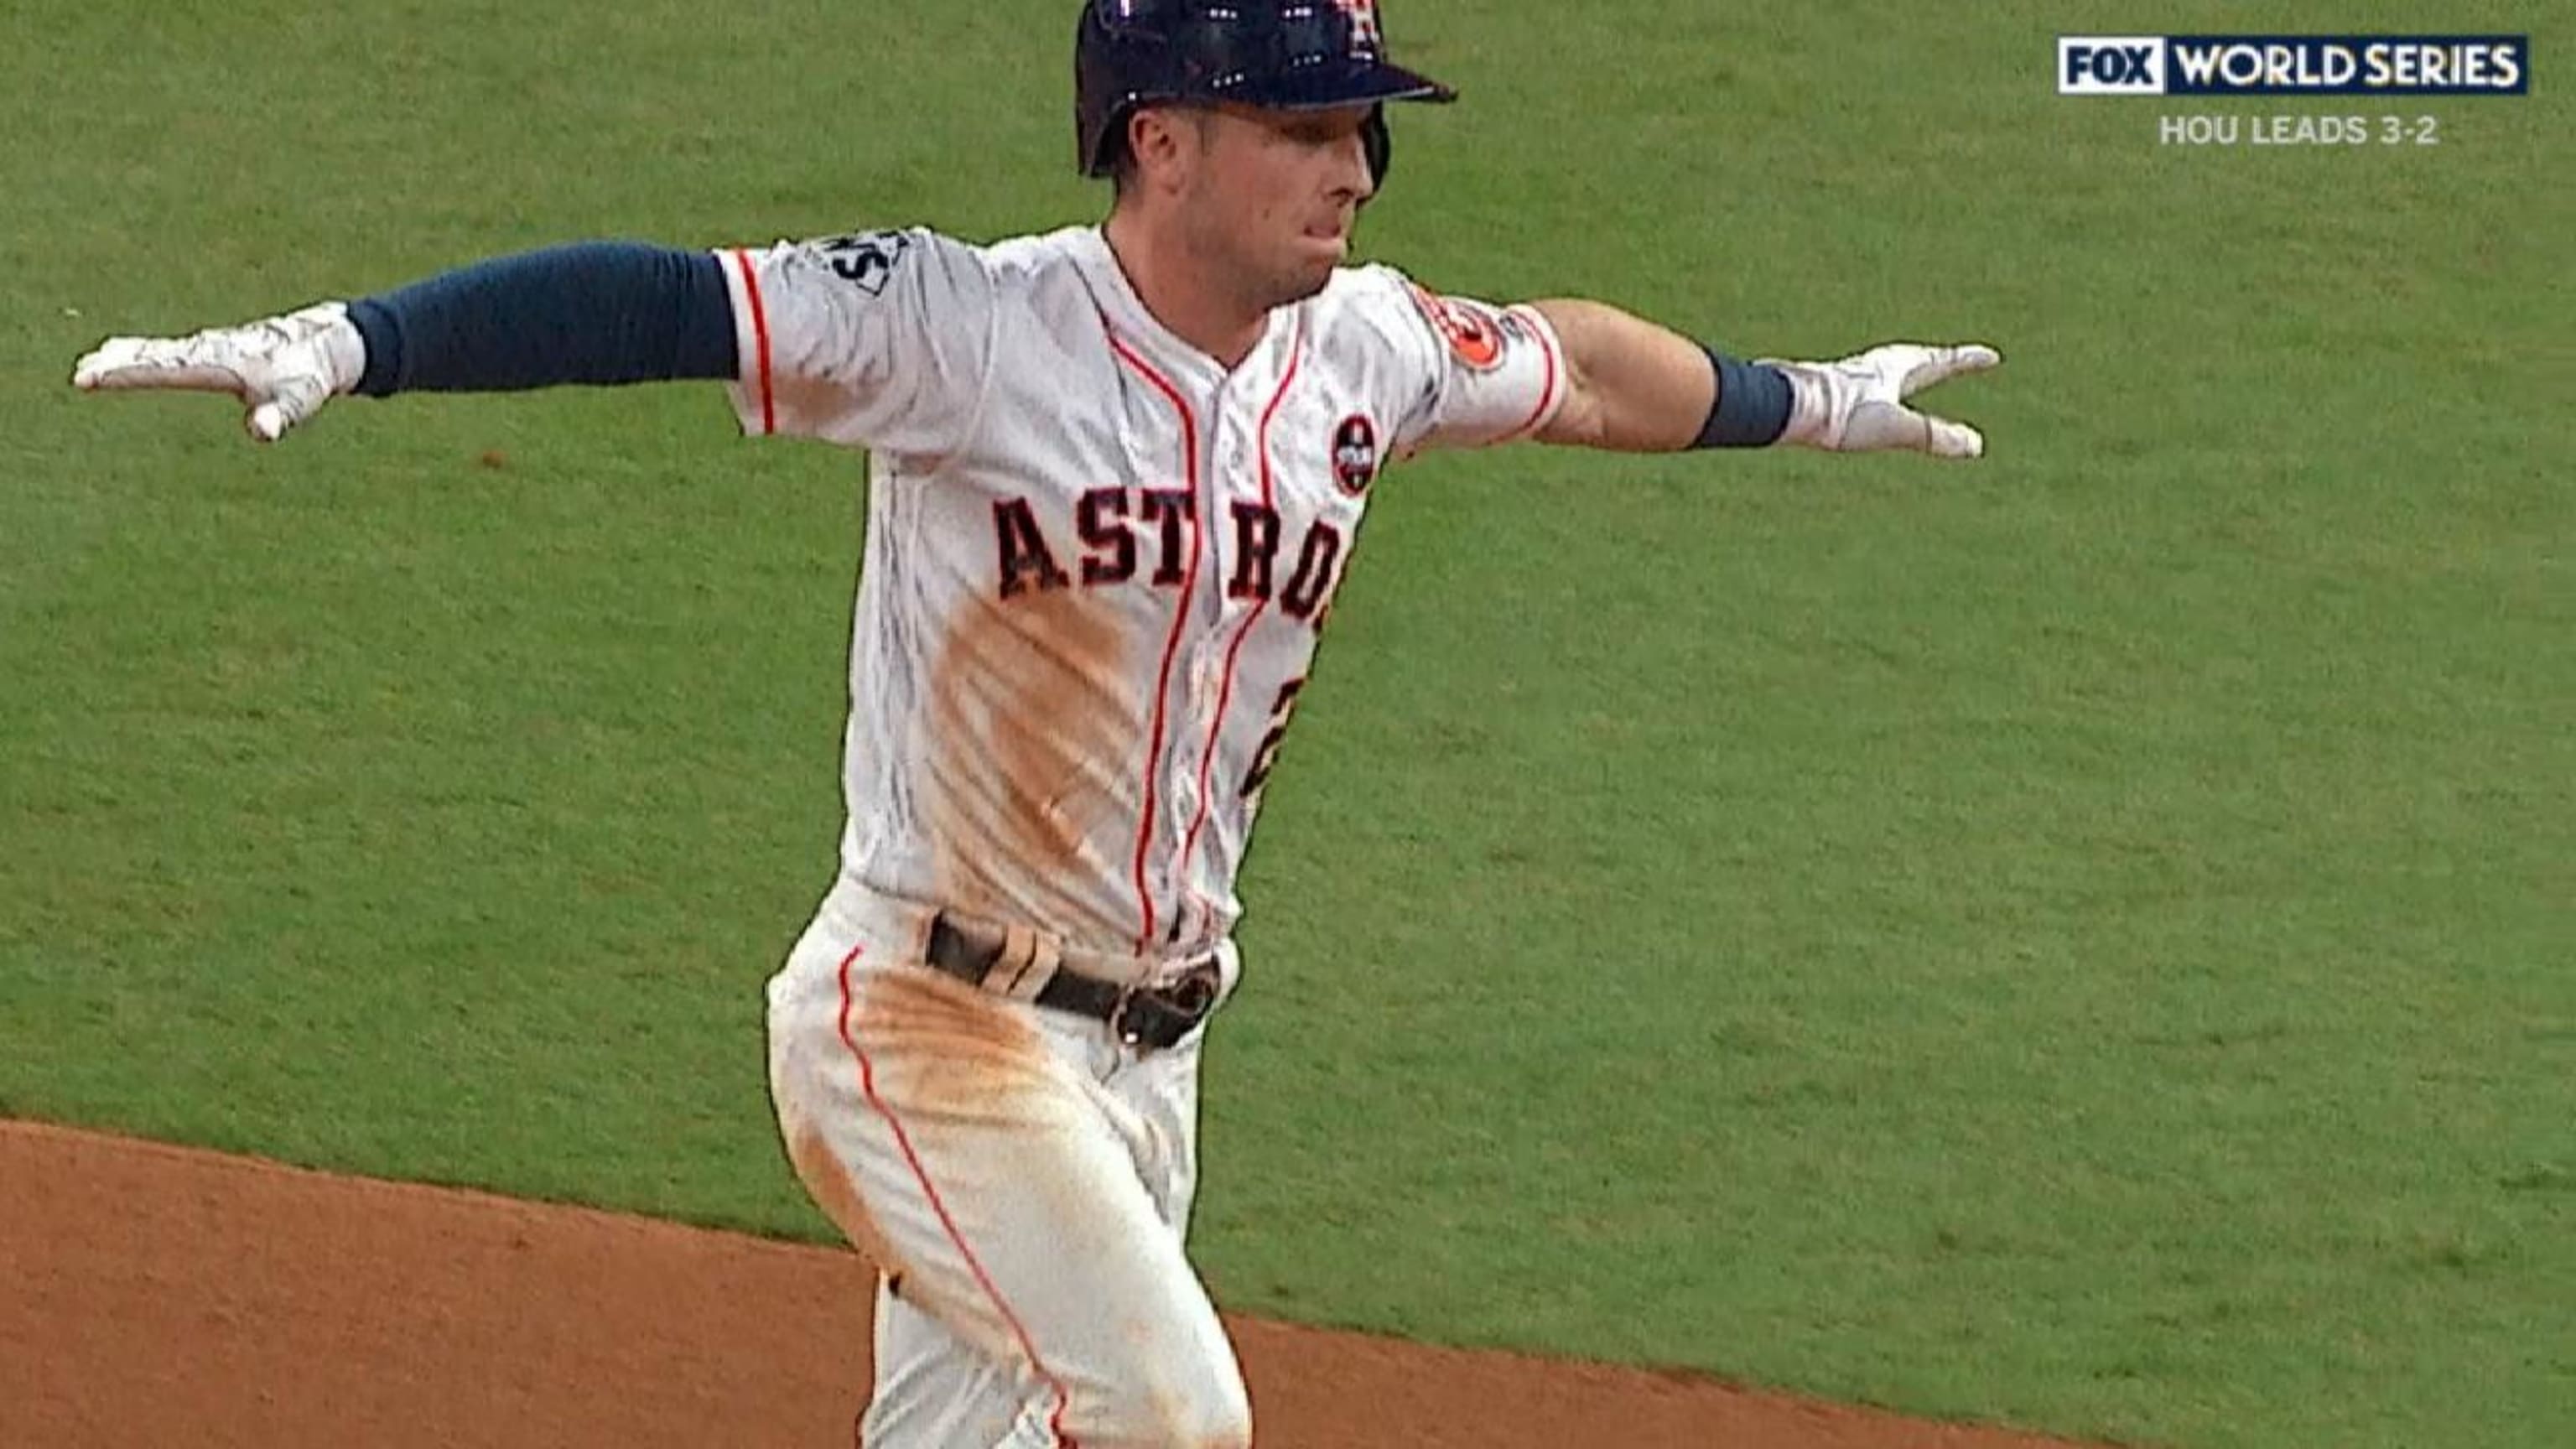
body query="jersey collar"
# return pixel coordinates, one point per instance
(1127, 312)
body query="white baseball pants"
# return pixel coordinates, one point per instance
(1022, 1182)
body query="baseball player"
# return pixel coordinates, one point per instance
(1117, 474)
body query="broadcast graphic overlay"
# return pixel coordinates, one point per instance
(2423, 78)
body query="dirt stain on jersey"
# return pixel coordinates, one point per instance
(1034, 723)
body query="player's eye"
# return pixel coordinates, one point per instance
(1314, 132)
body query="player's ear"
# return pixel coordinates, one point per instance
(1160, 143)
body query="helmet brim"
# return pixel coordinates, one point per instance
(1327, 85)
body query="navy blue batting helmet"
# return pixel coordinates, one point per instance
(1284, 54)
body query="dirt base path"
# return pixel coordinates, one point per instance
(154, 1295)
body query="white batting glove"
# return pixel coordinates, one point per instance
(285, 368)
(1857, 404)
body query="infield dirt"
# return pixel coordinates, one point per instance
(157, 1295)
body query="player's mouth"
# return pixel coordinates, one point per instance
(1333, 236)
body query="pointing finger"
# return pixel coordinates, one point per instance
(131, 362)
(1973, 357)
(1940, 364)
(105, 360)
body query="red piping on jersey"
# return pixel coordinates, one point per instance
(759, 338)
(939, 1206)
(1180, 615)
(1225, 689)
(1547, 390)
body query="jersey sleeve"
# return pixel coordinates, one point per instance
(873, 339)
(1470, 373)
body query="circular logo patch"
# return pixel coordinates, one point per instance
(1354, 453)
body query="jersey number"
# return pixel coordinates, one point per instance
(1268, 755)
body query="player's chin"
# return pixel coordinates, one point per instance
(1308, 273)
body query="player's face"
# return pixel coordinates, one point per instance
(1272, 197)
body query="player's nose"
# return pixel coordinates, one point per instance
(1351, 168)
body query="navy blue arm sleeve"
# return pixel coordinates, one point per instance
(1753, 403)
(591, 312)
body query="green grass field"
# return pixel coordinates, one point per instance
(2083, 939)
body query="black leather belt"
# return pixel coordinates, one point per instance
(1155, 1017)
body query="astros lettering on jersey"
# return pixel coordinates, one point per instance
(1096, 562)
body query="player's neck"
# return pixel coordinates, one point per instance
(1178, 295)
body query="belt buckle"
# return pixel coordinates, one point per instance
(1191, 996)
(1119, 1025)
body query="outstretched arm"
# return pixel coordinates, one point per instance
(593, 312)
(1633, 386)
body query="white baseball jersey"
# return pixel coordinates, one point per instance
(1096, 560)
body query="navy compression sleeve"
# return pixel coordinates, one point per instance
(1754, 400)
(591, 312)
